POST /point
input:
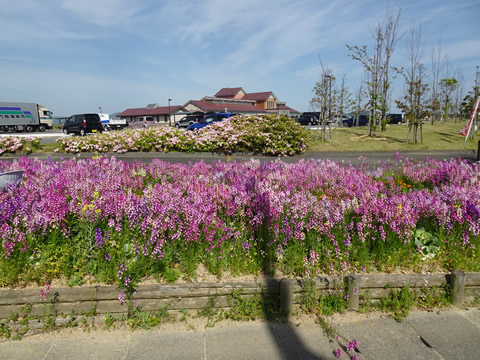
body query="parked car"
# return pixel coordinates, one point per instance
(336, 119)
(395, 118)
(142, 122)
(189, 119)
(309, 119)
(362, 121)
(210, 119)
(82, 124)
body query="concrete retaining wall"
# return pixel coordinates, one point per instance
(104, 299)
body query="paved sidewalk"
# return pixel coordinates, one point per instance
(445, 334)
(346, 157)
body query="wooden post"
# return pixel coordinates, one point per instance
(353, 285)
(457, 287)
(286, 297)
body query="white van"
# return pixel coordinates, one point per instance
(142, 122)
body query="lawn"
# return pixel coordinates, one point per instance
(439, 136)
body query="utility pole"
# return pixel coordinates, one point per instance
(475, 120)
(169, 118)
(476, 83)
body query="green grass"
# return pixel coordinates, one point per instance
(439, 136)
(47, 148)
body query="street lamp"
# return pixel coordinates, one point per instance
(100, 108)
(169, 119)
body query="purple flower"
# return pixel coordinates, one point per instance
(98, 238)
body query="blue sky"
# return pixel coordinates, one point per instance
(76, 55)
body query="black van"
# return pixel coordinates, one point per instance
(309, 118)
(82, 124)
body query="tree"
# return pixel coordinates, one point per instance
(458, 94)
(469, 101)
(414, 103)
(377, 66)
(322, 99)
(359, 102)
(439, 62)
(342, 101)
(447, 87)
(390, 40)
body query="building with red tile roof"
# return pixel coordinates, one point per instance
(237, 100)
(225, 100)
(159, 113)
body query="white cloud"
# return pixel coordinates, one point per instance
(104, 12)
(67, 92)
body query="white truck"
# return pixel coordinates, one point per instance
(19, 116)
(112, 124)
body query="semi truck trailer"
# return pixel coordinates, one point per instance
(19, 116)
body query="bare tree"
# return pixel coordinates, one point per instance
(377, 66)
(342, 101)
(414, 103)
(439, 62)
(447, 88)
(458, 94)
(322, 99)
(359, 102)
(390, 40)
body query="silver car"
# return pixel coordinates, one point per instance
(142, 122)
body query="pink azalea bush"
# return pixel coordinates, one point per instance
(268, 135)
(117, 221)
(13, 144)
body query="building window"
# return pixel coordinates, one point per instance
(270, 104)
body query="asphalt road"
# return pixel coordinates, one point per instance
(346, 157)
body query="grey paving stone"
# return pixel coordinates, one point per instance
(303, 342)
(24, 350)
(451, 334)
(250, 341)
(472, 314)
(101, 347)
(385, 338)
(155, 344)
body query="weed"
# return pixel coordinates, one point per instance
(398, 302)
(5, 331)
(431, 297)
(185, 314)
(209, 312)
(109, 321)
(146, 319)
(309, 297)
(332, 302)
(243, 308)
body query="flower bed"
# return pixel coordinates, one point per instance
(111, 221)
(268, 135)
(12, 144)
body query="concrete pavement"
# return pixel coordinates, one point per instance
(353, 157)
(444, 334)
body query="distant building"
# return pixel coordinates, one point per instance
(226, 100)
(239, 101)
(159, 113)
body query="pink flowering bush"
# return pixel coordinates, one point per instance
(268, 135)
(120, 222)
(13, 144)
